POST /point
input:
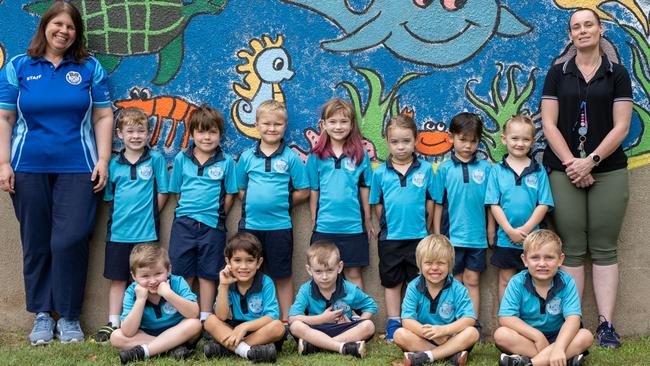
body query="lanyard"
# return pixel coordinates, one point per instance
(583, 129)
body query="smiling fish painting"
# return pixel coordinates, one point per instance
(435, 33)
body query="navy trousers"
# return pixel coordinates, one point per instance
(57, 218)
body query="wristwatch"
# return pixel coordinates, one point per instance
(595, 158)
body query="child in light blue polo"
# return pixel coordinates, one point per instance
(271, 179)
(540, 313)
(519, 196)
(437, 313)
(326, 307)
(460, 183)
(204, 179)
(137, 191)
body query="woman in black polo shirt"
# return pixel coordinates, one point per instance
(586, 111)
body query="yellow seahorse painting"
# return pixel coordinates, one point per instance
(266, 65)
(595, 5)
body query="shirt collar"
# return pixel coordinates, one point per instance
(256, 286)
(35, 60)
(422, 287)
(557, 286)
(144, 157)
(457, 161)
(260, 154)
(414, 165)
(339, 291)
(530, 169)
(217, 156)
(570, 67)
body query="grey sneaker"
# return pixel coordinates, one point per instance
(415, 359)
(43, 330)
(69, 330)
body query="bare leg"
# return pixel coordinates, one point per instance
(512, 342)
(115, 297)
(605, 280)
(284, 289)
(353, 274)
(578, 274)
(472, 280)
(271, 332)
(207, 293)
(393, 300)
(321, 340)
(581, 342)
(411, 342)
(184, 331)
(504, 277)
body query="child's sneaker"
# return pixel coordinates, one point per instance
(180, 352)
(415, 358)
(212, 348)
(306, 348)
(578, 360)
(606, 335)
(103, 335)
(69, 330)
(43, 330)
(391, 326)
(262, 353)
(356, 349)
(514, 360)
(458, 358)
(132, 354)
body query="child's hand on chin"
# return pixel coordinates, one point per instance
(164, 289)
(226, 277)
(141, 292)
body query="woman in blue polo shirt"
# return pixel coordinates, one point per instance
(586, 111)
(55, 142)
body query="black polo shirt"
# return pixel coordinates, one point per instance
(565, 83)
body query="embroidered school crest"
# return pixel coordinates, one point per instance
(446, 310)
(478, 176)
(281, 166)
(418, 179)
(73, 78)
(168, 309)
(255, 303)
(531, 181)
(349, 165)
(215, 172)
(554, 306)
(145, 172)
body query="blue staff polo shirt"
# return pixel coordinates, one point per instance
(163, 314)
(54, 128)
(203, 188)
(133, 190)
(269, 182)
(451, 303)
(547, 315)
(518, 195)
(463, 185)
(347, 296)
(337, 181)
(404, 198)
(258, 301)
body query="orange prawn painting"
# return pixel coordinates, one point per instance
(433, 139)
(162, 107)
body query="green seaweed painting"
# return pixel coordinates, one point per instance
(640, 59)
(378, 108)
(503, 107)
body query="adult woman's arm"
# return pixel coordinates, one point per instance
(103, 126)
(7, 120)
(550, 113)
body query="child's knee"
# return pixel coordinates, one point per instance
(117, 338)
(472, 334)
(471, 279)
(402, 337)
(296, 327)
(276, 329)
(585, 338)
(194, 326)
(503, 336)
(367, 327)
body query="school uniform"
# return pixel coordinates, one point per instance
(258, 301)
(451, 303)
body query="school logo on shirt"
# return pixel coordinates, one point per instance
(255, 303)
(73, 78)
(554, 306)
(446, 310)
(215, 172)
(168, 309)
(478, 176)
(145, 172)
(349, 165)
(418, 179)
(341, 305)
(531, 181)
(281, 166)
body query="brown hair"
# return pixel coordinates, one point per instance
(541, 237)
(434, 247)
(584, 9)
(77, 50)
(243, 241)
(132, 116)
(402, 121)
(321, 251)
(519, 118)
(147, 255)
(466, 123)
(272, 106)
(205, 118)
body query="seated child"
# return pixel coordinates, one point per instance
(246, 311)
(159, 312)
(540, 311)
(322, 316)
(437, 314)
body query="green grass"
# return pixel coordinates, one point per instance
(14, 350)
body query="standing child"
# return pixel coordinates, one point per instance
(137, 190)
(204, 179)
(437, 313)
(271, 179)
(323, 315)
(160, 311)
(339, 175)
(519, 196)
(400, 191)
(245, 320)
(540, 313)
(461, 183)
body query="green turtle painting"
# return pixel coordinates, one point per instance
(117, 28)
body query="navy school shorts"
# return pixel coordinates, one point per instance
(397, 261)
(333, 330)
(277, 250)
(196, 249)
(469, 258)
(353, 247)
(116, 261)
(507, 258)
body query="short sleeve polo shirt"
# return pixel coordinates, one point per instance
(518, 195)
(346, 296)
(133, 190)
(163, 314)
(451, 303)
(547, 315)
(53, 108)
(404, 198)
(258, 301)
(269, 182)
(203, 187)
(565, 83)
(463, 185)
(337, 181)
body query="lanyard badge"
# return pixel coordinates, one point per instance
(583, 129)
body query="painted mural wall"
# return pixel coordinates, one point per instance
(429, 59)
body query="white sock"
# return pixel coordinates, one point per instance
(395, 318)
(204, 315)
(114, 320)
(146, 350)
(242, 350)
(341, 347)
(430, 355)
